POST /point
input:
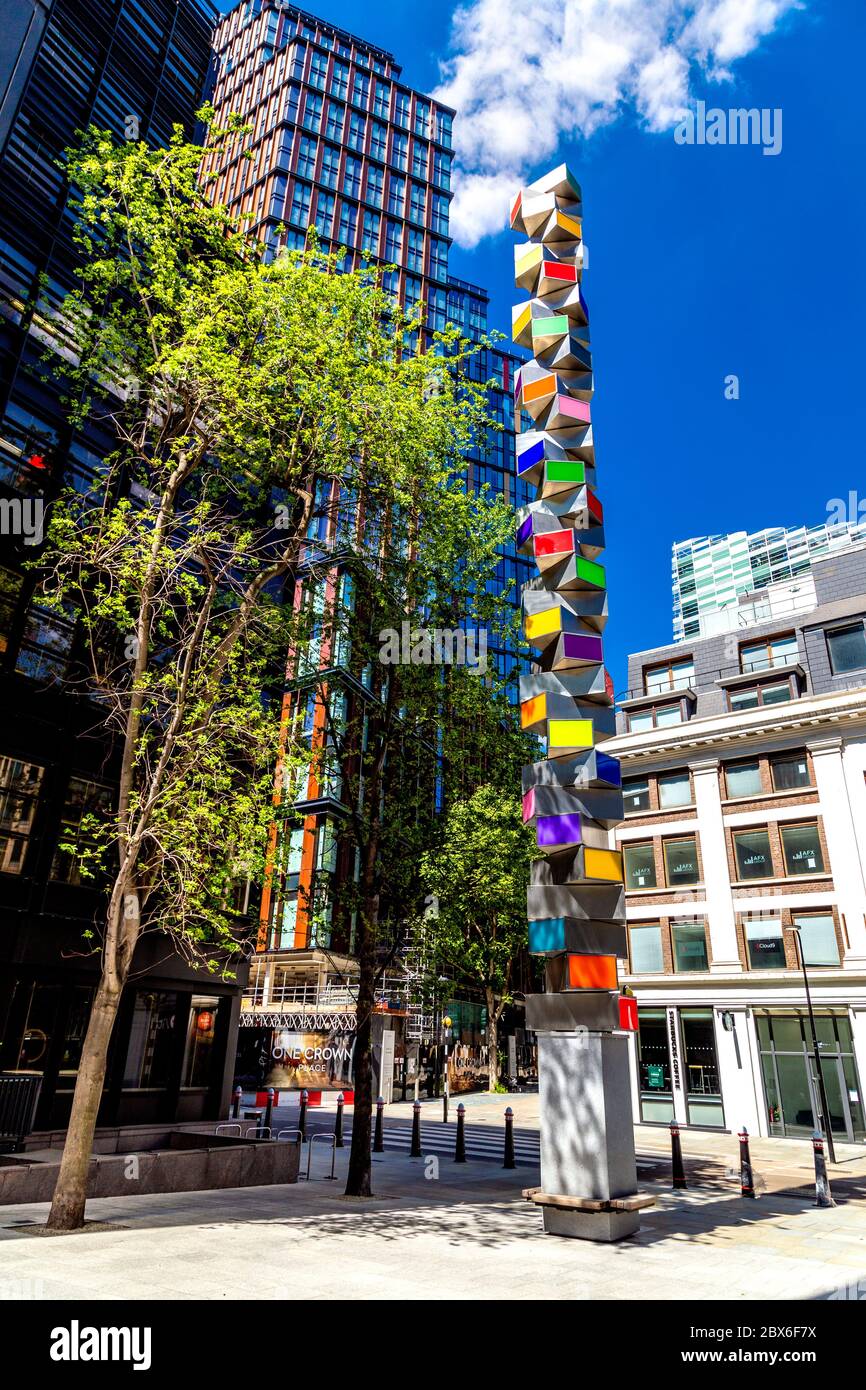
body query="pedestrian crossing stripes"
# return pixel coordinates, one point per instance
(481, 1143)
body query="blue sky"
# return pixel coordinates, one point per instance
(704, 261)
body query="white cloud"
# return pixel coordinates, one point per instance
(524, 75)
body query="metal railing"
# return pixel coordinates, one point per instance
(19, 1096)
(706, 680)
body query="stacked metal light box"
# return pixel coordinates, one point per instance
(573, 795)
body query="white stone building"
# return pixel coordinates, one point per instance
(744, 772)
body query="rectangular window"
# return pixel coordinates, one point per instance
(330, 166)
(790, 771)
(743, 779)
(400, 150)
(639, 865)
(672, 675)
(443, 128)
(352, 177)
(401, 109)
(318, 69)
(87, 805)
(300, 209)
(438, 260)
(440, 214)
(415, 251)
(393, 241)
(665, 715)
(334, 123)
(420, 159)
(313, 112)
(422, 118)
(340, 81)
(348, 225)
(375, 185)
(382, 99)
(764, 943)
(307, 157)
(378, 141)
(675, 789)
(19, 795)
(689, 941)
(769, 652)
(370, 234)
(802, 849)
(396, 195)
(635, 794)
(761, 695)
(412, 295)
(151, 1041)
(752, 851)
(361, 90)
(818, 937)
(357, 126)
(10, 588)
(325, 214)
(645, 949)
(681, 861)
(199, 1052)
(441, 169)
(847, 648)
(417, 203)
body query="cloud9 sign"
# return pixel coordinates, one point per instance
(315, 1061)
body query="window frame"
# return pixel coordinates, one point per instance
(802, 825)
(681, 840)
(830, 632)
(639, 844)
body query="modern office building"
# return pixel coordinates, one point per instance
(721, 583)
(135, 67)
(339, 141)
(744, 775)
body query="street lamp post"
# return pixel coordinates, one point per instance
(825, 1116)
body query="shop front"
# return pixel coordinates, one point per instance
(789, 1072)
(678, 1068)
(167, 1060)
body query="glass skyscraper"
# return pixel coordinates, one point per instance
(338, 141)
(712, 574)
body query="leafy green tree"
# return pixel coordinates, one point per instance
(405, 687)
(241, 395)
(479, 871)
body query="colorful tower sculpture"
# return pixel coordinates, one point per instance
(573, 796)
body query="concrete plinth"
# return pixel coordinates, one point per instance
(587, 1138)
(590, 1225)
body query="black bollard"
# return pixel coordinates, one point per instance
(302, 1117)
(509, 1139)
(823, 1196)
(338, 1123)
(678, 1172)
(460, 1147)
(236, 1106)
(269, 1110)
(747, 1186)
(379, 1136)
(415, 1150)
(445, 1105)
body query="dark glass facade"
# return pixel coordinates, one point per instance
(136, 67)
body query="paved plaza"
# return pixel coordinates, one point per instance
(441, 1230)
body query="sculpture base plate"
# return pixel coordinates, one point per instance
(590, 1225)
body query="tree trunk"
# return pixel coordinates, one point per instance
(358, 1181)
(492, 1040)
(70, 1195)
